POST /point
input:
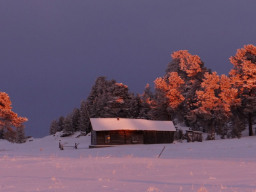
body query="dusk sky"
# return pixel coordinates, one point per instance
(52, 51)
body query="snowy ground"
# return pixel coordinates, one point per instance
(39, 165)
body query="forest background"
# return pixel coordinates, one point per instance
(188, 93)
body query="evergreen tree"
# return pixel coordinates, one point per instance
(84, 121)
(61, 123)
(54, 127)
(68, 125)
(20, 135)
(134, 106)
(109, 99)
(214, 103)
(244, 76)
(75, 119)
(9, 121)
(120, 101)
(168, 96)
(191, 70)
(230, 102)
(96, 100)
(146, 103)
(160, 109)
(10, 134)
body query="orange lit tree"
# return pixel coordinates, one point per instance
(10, 123)
(190, 69)
(244, 76)
(214, 103)
(168, 96)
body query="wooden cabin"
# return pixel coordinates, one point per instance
(118, 131)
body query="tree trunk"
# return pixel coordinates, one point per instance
(250, 124)
(211, 131)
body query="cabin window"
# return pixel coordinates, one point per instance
(107, 139)
(135, 139)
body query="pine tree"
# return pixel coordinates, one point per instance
(54, 127)
(168, 95)
(134, 106)
(146, 102)
(214, 103)
(230, 102)
(84, 121)
(185, 64)
(119, 101)
(10, 134)
(20, 135)
(244, 76)
(109, 99)
(207, 103)
(75, 119)
(171, 88)
(68, 125)
(61, 123)
(191, 70)
(9, 121)
(96, 100)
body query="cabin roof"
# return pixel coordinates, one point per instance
(112, 124)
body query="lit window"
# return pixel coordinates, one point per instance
(135, 139)
(107, 139)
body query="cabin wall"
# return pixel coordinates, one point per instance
(134, 137)
(165, 136)
(93, 137)
(118, 137)
(131, 137)
(153, 137)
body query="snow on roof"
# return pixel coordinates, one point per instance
(103, 124)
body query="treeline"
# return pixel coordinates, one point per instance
(188, 92)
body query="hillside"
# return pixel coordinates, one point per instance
(39, 165)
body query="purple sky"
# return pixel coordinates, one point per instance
(52, 51)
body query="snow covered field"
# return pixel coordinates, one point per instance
(39, 165)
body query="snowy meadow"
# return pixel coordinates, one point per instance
(39, 165)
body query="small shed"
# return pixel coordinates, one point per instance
(118, 131)
(194, 136)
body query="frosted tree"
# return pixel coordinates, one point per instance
(61, 123)
(97, 98)
(133, 105)
(168, 95)
(68, 125)
(9, 121)
(123, 103)
(171, 88)
(75, 119)
(146, 102)
(191, 70)
(109, 99)
(208, 103)
(84, 121)
(191, 65)
(57, 125)
(231, 104)
(54, 127)
(20, 135)
(244, 76)
(214, 103)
